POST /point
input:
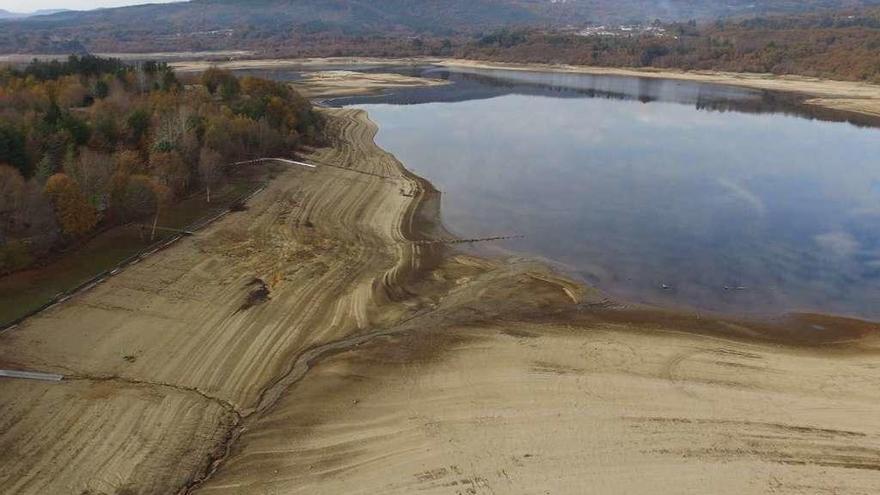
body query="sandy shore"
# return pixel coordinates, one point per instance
(524, 408)
(849, 96)
(516, 381)
(380, 365)
(162, 359)
(340, 83)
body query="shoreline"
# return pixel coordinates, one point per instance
(846, 96)
(348, 382)
(168, 339)
(754, 81)
(360, 311)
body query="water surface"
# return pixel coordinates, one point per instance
(668, 192)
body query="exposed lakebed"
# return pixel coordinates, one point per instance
(667, 192)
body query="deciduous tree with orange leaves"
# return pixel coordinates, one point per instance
(75, 215)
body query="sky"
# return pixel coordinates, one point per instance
(32, 5)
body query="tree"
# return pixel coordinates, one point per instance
(102, 89)
(129, 162)
(12, 149)
(46, 168)
(229, 88)
(105, 119)
(144, 196)
(75, 215)
(27, 226)
(209, 169)
(72, 93)
(92, 171)
(139, 196)
(138, 124)
(77, 128)
(11, 194)
(170, 169)
(215, 79)
(171, 128)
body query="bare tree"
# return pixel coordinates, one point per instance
(92, 171)
(145, 196)
(209, 169)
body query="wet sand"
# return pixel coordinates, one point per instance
(383, 365)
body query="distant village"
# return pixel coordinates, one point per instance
(626, 30)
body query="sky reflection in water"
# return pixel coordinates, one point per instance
(660, 202)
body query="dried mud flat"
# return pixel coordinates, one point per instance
(379, 364)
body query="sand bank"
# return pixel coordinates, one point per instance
(339, 83)
(849, 96)
(383, 365)
(330, 245)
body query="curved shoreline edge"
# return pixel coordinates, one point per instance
(336, 247)
(847, 96)
(487, 300)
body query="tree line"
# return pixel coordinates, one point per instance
(839, 45)
(89, 143)
(842, 45)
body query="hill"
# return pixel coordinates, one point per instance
(5, 14)
(218, 24)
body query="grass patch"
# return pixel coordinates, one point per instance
(25, 291)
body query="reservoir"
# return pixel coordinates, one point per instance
(672, 193)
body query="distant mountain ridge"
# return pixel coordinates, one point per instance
(5, 14)
(214, 24)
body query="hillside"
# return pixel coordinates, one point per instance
(218, 24)
(841, 46)
(5, 14)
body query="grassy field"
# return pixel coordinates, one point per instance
(25, 291)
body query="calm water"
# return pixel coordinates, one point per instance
(665, 192)
(668, 192)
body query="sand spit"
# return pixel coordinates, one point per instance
(382, 364)
(325, 77)
(339, 83)
(849, 96)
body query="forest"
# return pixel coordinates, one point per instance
(837, 39)
(279, 25)
(842, 45)
(90, 143)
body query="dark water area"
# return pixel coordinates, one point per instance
(673, 193)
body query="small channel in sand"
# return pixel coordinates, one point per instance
(667, 192)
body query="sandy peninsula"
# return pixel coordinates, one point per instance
(386, 361)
